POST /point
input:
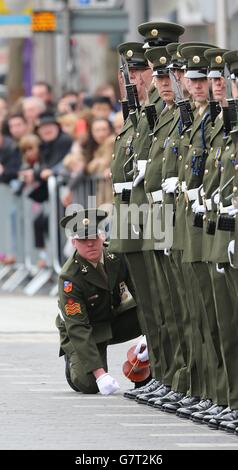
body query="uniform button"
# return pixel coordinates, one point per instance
(136, 154)
(232, 155)
(222, 168)
(149, 161)
(204, 217)
(235, 189)
(227, 147)
(236, 167)
(137, 134)
(182, 137)
(186, 208)
(211, 149)
(173, 143)
(155, 139)
(145, 181)
(180, 157)
(186, 167)
(163, 159)
(113, 156)
(118, 137)
(76, 261)
(206, 172)
(143, 114)
(190, 146)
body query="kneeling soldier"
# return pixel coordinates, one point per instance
(96, 306)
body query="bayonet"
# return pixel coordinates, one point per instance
(230, 115)
(130, 90)
(183, 104)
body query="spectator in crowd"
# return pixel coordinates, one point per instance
(32, 107)
(118, 122)
(68, 123)
(43, 91)
(109, 90)
(102, 133)
(68, 102)
(101, 107)
(17, 126)
(3, 110)
(30, 149)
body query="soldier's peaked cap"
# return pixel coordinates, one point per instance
(84, 223)
(197, 63)
(160, 60)
(231, 58)
(216, 61)
(176, 60)
(133, 53)
(160, 33)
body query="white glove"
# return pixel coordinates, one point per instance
(231, 210)
(231, 248)
(220, 270)
(142, 356)
(107, 384)
(141, 166)
(217, 198)
(196, 207)
(170, 184)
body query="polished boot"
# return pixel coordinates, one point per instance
(228, 418)
(231, 427)
(186, 401)
(200, 406)
(171, 397)
(197, 417)
(132, 394)
(159, 392)
(214, 422)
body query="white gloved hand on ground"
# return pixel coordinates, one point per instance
(107, 384)
(170, 184)
(142, 356)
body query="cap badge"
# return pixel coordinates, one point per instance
(196, 59)
(154, 32)
(86, 222)
(129, 53)
(178, 54)
(163, 60)
(218, 59)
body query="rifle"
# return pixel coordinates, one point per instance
(229, 113)
(130, 91)
(183, 104)
(215, 108)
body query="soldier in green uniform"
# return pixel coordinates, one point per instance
(210, 184)
(227, 320)
(139, 261)
(156, 266)
(96, 307)
(122, 184)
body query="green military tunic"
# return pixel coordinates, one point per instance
(122, 152)
(211, 180)
(95, 310)
(203, 323)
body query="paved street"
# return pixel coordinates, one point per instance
(39, 411)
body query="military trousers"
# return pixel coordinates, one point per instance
(125, 327)
(148, 309)
(172, 361)
(207, 325)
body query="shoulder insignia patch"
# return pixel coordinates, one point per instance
(68, 286)
(72, 308)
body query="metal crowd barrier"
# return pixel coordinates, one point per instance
(17, 232)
